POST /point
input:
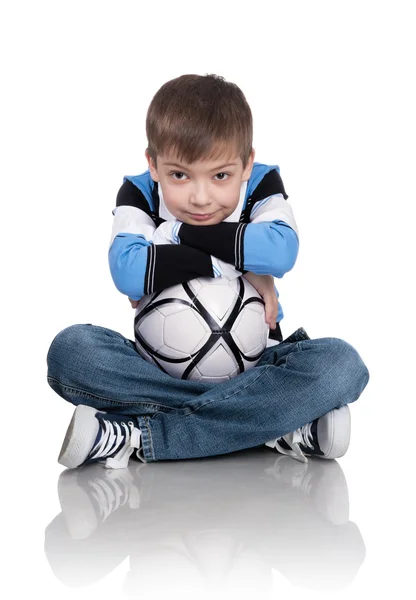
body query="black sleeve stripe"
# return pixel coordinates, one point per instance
(130, 195)
(239, 247)
(172, 264)
(217, 240)
(270, 184)
(150, 270)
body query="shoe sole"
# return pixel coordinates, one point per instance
(79, 438)
(336, 429)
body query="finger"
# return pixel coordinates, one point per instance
(275, 313)
(271, 311)
(269, 308)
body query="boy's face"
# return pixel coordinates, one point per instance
(204, 193)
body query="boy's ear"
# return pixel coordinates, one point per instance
(152, 168)
(249, 166)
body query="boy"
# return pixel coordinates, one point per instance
(167, 231)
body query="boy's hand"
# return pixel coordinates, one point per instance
(134, 303)
(264, 284)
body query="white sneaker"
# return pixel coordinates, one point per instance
(97, 436)
(326, 437)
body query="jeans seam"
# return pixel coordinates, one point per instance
(84, 394)
(296, 348)
(149, 445)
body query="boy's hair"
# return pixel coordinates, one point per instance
(199, 117)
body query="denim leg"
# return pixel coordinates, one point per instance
(294, 383)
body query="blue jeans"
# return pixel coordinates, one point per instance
(294, 383)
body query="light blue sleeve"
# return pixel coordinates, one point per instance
(128, 257)
(270, 248)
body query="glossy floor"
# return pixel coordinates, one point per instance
(250, 524)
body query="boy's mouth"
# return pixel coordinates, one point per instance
(200, 217)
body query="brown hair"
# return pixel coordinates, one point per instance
(199, 117)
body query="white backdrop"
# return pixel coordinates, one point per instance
(331, 87)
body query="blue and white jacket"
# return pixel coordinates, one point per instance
(261, 236)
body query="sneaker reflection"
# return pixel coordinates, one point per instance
(215, 524)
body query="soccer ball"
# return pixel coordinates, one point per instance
(208, 329)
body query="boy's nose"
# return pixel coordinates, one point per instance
(200, 200)
(199, 206)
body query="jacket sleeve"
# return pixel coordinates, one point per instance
(137, 265)
(267, 245)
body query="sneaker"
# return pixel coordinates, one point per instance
(96, 436)
(326, 437)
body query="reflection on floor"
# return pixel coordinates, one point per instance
(217, 524)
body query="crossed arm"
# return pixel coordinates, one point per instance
(144, 258)
(263, 283)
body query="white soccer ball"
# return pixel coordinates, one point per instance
(209, 329)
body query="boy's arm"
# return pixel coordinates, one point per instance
(137, 265)
(269, 244)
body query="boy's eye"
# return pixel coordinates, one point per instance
(180, 173)
(177, 173)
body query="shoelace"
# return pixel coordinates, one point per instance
(302, 436)
(116, 442)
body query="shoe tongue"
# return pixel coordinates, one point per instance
(100, 421)
(314, 441)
